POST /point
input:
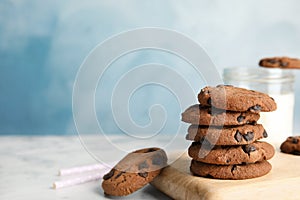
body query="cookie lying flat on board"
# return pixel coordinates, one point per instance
(280, 62)
(202, 115)
(236, 99)
(134, 171)
(291, 145)
(228, 135)
(229, 155)
(235, 172)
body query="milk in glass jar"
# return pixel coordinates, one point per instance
(277, 83)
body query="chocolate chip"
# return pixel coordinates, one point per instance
(109, 174)
(158, 160)
(234, 167)
(209, 101)
(253, 123)
(240, 119)
(255, 108)
(249, 136)
(228, 161)
(265, 134)
(143, 165)
(151, 150)
(143, 174)
(119, 174)
(295, 141)
(238, 136)
(249, 148)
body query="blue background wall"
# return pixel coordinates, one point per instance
(43, 43)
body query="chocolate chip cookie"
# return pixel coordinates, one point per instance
(202, 115)
(229, 155)
(291, 145)
(236, 99)
(134, 171)
(236, 172)
(280, 62)
(227, 135)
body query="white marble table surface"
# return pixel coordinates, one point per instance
(29, 165)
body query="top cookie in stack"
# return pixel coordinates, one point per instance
(236, 99)
(225, 133)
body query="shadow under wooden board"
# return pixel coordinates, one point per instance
(282, 182)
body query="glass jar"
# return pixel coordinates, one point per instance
(277, 83)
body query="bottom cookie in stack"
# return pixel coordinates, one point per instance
(231, 162)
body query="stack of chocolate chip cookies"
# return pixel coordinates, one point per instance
(225, 133)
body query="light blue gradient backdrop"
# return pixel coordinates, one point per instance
(43, 43)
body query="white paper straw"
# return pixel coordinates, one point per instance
(79, 180)
(81, 169)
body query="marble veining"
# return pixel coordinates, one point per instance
(29, 166)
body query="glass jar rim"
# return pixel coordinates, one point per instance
(258, 74)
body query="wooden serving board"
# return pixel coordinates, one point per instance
(283, 182)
